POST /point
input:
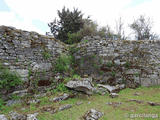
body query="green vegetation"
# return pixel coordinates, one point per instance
(46, 54)
(110, 64)
(1, 104)
(74, 38)
(85, 41)
(113, 73)
(60, 88)
(63, 63)
(115, 111)
(72, 27)
(14, 97)
(8, 79)
(127, 64)
(69, 22)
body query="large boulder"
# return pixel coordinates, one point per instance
(85, 85)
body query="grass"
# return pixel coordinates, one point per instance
(98, 102)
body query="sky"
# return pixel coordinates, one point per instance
(34, 15)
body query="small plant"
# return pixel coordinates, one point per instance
(8, 79)
(46, 54)
(15, 97)
(101, 72)
(75, 76)
(113, 73)
(29, 73)
(95, 66)
(136, 74)
(1, 104)
(5, 35)
(127, 64)
(109, 64)
(17, 60)
(60, 88)
(73, 49)
(85, 41)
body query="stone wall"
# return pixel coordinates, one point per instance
(22, 50)
(137, 61)
(105, 60)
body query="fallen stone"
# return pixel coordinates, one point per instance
(92, 115)
(35, 101)
(60, 98)
(20, 93)
(154, 104)
(137, 101)
(101, 91)
(16, 116)
(137, 94)
(49, 109)
(32, 116)
(3, 117)
(79, 103)
(114, 104)
(121, 86)
(113, 95)
(81, 85)
(65, 107)
(40, 95)
(13, 102)
(111, 89)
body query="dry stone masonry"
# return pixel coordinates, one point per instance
(137, 61)
(103, 60)
(22, 50)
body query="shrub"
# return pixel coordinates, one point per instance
(1, 103)
(8, 79)
(74, 37)
(63, 63)
(60, 88)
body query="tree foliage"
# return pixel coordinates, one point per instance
(68, 22)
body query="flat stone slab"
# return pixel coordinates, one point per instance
(60, 98)
(65, 107)
(112, 88)
(79, 85)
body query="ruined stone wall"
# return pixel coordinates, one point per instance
(124, 60)
(105, 60)
(22, 50)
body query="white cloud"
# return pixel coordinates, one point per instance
(103, 11)
(10, 19)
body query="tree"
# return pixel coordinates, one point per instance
(68, 22)
(143, 28)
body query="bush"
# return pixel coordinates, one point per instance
(74, 37)
(8, 79)
(60, 88)
(63, 63)
(1, 103)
